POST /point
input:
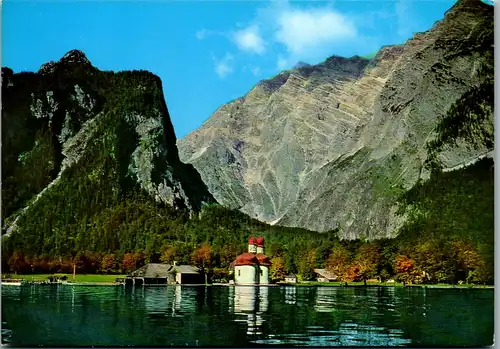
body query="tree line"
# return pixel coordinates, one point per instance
(448, 237)
(432, 261)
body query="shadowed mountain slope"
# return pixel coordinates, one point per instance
(77, 140)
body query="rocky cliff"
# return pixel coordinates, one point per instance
(71, 129)
(336, 144)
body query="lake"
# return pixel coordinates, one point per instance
(64, 315)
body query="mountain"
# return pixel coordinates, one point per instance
(339, 144)
(77, 140)
(301, 65)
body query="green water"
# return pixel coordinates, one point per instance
(245, 316)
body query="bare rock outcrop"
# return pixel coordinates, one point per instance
(335, 144)
(72, 122)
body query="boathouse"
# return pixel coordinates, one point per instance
(161, 274)
(151, 274)
(323, 275)
(188, 274)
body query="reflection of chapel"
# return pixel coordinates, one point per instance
(252, 267)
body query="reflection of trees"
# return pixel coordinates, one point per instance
(235, 316)
(439, 317)
(187, 299)
(332, 316)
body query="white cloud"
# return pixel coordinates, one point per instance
(223, 67)
(249, 39)
(284, 33)
(303, 31)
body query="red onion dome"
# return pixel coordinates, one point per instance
(251, 241)
(260, 241)
(263, 259)
(246, 259)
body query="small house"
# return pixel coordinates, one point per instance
(291, 279)
(188, 274)
(161, 274)
(323, 275)
(152, 274)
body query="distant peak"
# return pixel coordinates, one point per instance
(471, 4)
(48, 68)
(301, 65)
(72, 58)
(75, 56)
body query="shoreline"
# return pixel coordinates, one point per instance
(270, 285)
(110, 280)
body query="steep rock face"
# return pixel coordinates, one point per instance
(111, 128)
(337, 143)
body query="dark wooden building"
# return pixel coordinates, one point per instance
(151, 274)
(163, 274)
(187, 274)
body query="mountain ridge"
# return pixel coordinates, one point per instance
(74, 110)
(370, 122)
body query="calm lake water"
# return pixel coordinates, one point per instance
(245, 316)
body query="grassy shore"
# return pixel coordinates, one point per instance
(83, 278)
(110, 279)
(389, 284)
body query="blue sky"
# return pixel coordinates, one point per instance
(207, 53)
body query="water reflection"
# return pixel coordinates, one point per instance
(250, 302)
(326, 299)
(290, 294)
(240, 316)
(342, 317)
(175, 301)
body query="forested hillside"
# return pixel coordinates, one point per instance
(91, 174)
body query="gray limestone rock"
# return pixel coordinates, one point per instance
(335, 144)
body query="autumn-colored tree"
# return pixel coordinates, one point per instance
(139, 258)
(53, 266)
(367, 260)
(352, 273)
(17, 262)
(306, 264)
(41, 264)
(405, 268)
(66, 266)
(338, 261)
(169, 254)
(468, 259)
(277, 271)
(35, 264)
(81, 262)
(433, 261)
(128, 262)
(108, 263)
(202, 258)
(94, 262)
